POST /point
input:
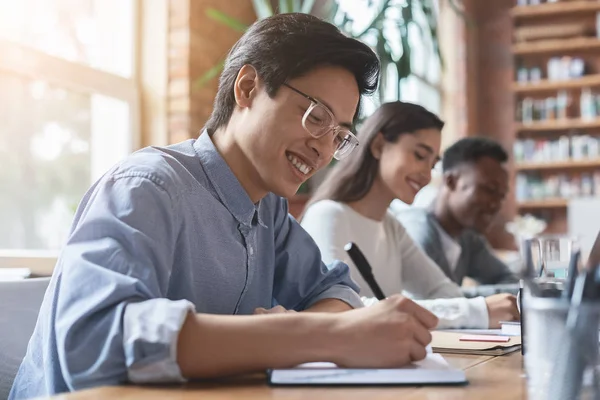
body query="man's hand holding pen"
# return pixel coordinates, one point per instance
(397, 329)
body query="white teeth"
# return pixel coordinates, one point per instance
(300, 166)
(415, 185)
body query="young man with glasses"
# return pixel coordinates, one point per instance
(175, 248)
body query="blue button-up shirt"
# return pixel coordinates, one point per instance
(166, 231)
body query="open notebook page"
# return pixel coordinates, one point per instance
(433, 370)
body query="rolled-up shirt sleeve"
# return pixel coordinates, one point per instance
(150, 331)
(301, 277)
(344, 292)
(112, 322)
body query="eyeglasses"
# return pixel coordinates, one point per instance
(319, 121)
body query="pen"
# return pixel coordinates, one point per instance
(572, 274)
(521, 319)
(364, 268)
(530, 271)
(531, 285)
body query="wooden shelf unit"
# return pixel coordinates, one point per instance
(542, 204)
(558, 165)
(550, 86)
(537, 53)
(583, 44)
(557, 125)
(560, 8)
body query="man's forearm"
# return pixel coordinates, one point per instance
(330, 305)
(492, 270)
(217, 345)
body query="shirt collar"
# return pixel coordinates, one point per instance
(450, 246)
(229, 189)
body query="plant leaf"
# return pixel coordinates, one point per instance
(382, 44)
(297, 6)
(333, 10)
(210, 74)
(307, 6)
(403, 65)
(226, 20)
(384, 59)
(262, 8)
(433, 32)
(377, 20)
(285, 6)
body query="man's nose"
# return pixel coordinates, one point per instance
(323, 147)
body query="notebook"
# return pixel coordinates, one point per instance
(511, 328)
(449, 342)
(14, 274)
(433, 370)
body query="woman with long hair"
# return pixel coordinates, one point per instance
(399, 146)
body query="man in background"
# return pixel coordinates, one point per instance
(450, 231)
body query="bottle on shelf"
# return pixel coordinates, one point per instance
(557, 186)
(562, 104)
(587, 106)
(576, 147)
(565, 68)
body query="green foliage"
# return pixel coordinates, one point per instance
(374, 34)
(399, 18)
(226, 20)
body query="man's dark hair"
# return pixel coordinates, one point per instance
(470, 150)
(286, 46)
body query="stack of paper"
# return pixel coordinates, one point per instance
(14, 274)
(450, 342)
(511, 328)
(433, 370)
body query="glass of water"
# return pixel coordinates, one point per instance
(551, 254)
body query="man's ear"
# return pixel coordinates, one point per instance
(451, 179)
(376, 146)
(245, 86)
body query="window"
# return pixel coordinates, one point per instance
(98, 33)
(422, 87)
(68, 111)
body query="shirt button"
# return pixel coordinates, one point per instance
(251, 250)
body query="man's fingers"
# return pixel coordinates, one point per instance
(513, 309)
(515, 312)
(420, 333)
(417, 352)
(424, 316)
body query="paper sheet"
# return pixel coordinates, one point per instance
(432, 370)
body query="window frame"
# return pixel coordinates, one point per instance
(145, 93)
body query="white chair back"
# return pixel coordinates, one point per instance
(20, 303)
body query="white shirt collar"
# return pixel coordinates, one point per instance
(450, 247)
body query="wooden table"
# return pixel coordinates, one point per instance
(489, 378)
